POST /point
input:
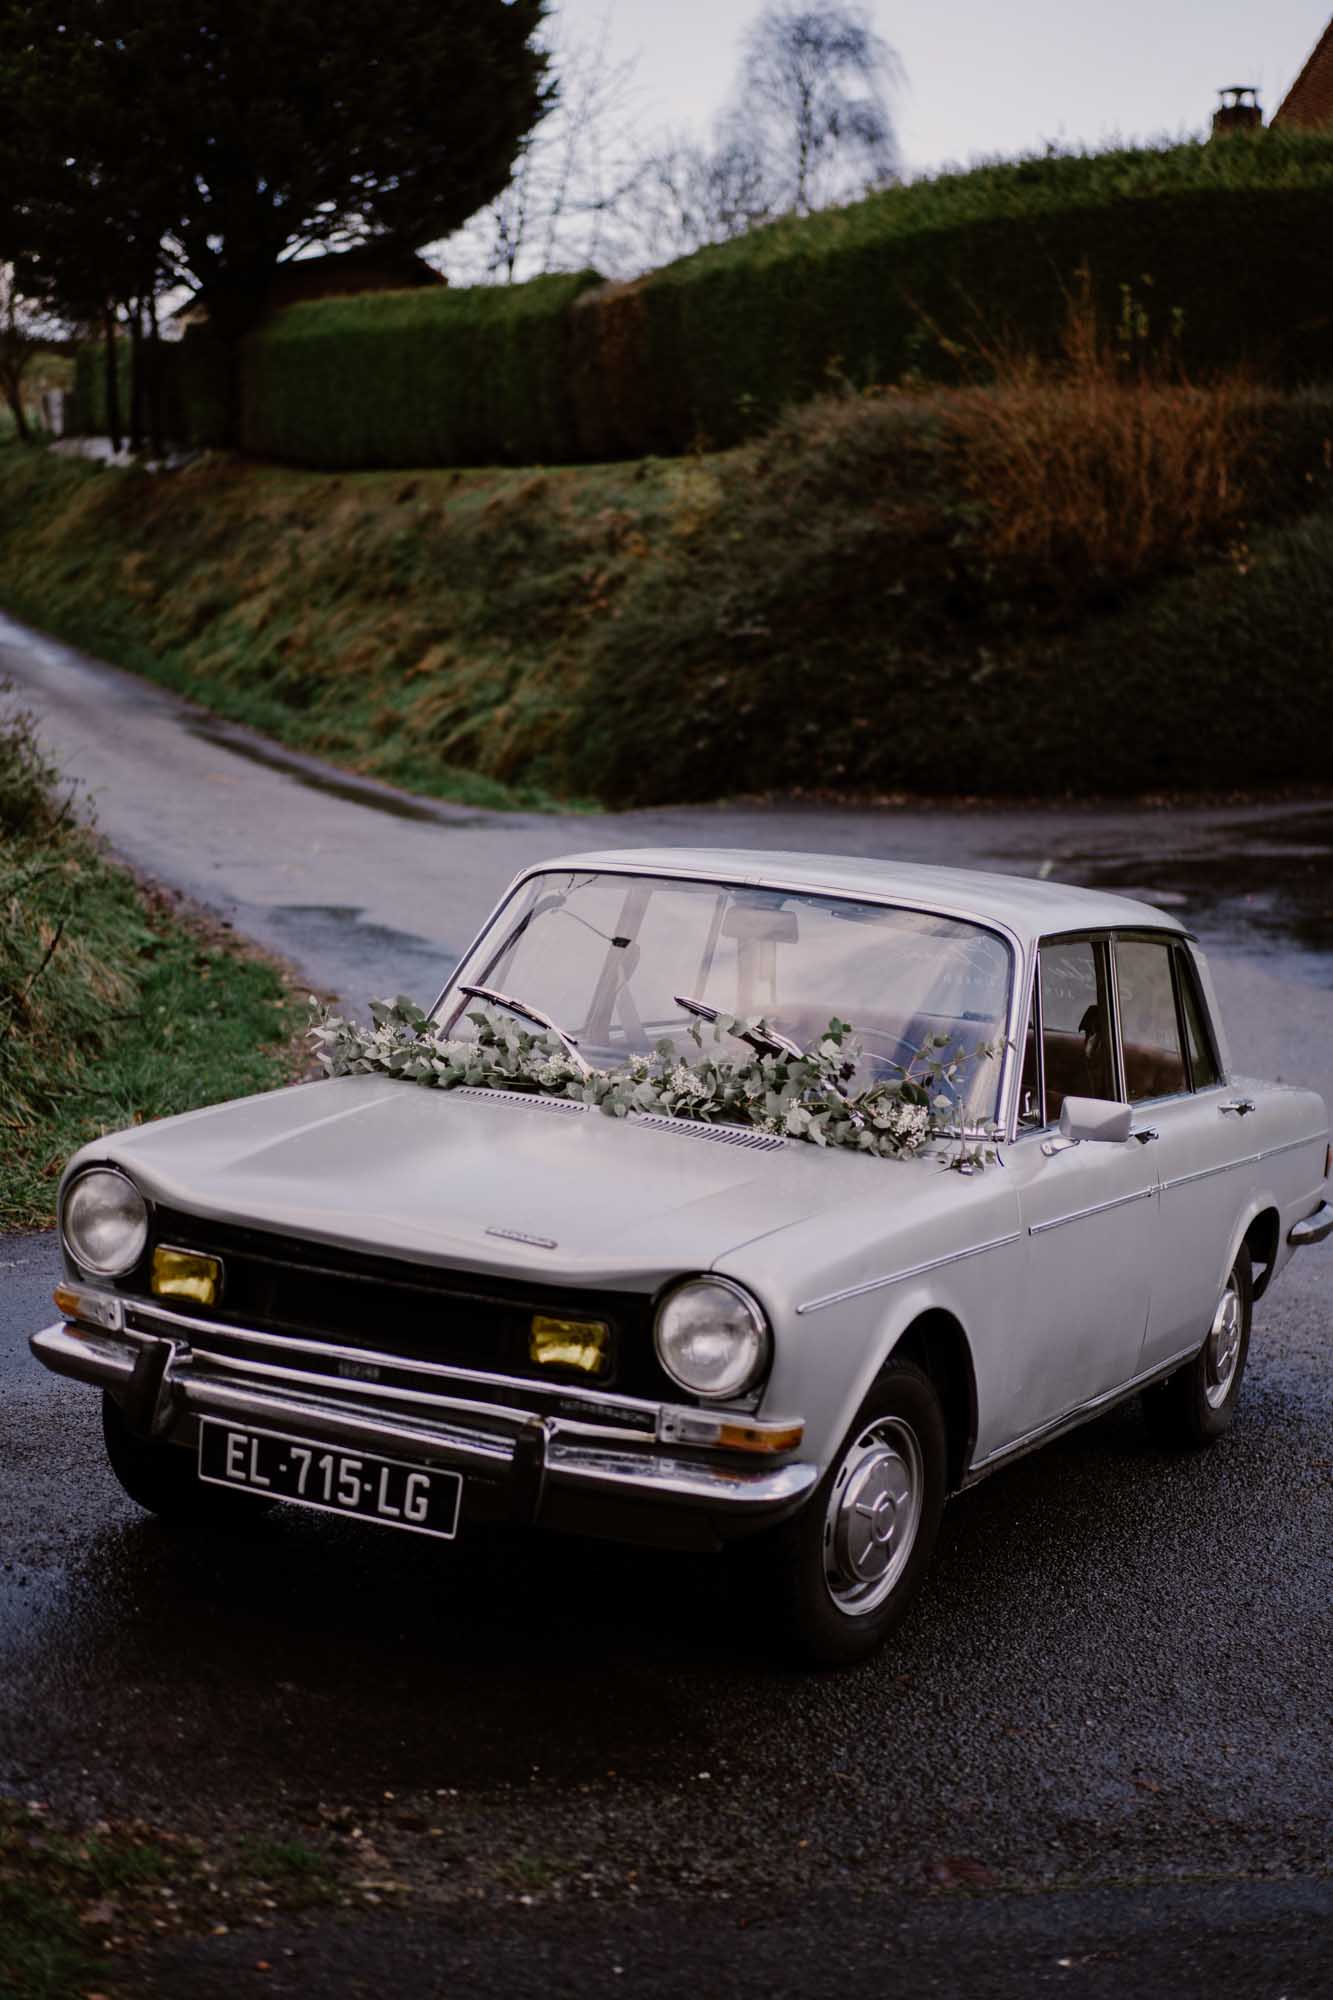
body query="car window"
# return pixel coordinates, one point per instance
(1203, 1062)
(1075, 1023)
(1149, 1027)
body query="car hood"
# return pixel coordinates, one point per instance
(491, 1182)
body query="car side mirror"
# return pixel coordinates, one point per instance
(1099, 1118)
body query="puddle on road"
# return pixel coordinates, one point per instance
(1266, 890)
(357, 791)
(357, 956)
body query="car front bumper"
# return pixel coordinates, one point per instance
(621, 1467)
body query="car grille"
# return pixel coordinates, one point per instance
(285, 1285)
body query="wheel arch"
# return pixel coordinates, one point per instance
(1262, 1237)
(936, 1342)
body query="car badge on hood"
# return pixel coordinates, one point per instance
(521, 1236)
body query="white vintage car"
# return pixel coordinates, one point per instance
(426, 1308)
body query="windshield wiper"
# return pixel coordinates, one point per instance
(768, 1041)
(530, 1013)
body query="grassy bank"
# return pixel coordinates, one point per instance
(1075, 581)
(114, 1008)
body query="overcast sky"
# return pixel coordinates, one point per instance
(984, 78)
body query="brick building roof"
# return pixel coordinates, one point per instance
(1310, 99)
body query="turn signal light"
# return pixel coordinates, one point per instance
(747, 1437)
(728, 1433)
(584, 1344)
(185, 1274)
(80, 1303)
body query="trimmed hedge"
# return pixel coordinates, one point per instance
(713, 348)
(430, 377)
(1226, 247)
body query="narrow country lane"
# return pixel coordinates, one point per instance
(1096, 1760)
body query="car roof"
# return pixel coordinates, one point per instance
(1025, 905)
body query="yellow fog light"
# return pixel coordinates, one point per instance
(185, 1274)
(584, 1344)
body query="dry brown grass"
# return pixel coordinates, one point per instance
(1109, 459)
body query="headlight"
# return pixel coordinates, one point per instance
(104, 1222)
(712, 1338)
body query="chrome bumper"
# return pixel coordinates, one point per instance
(166, 1383)
(1313, 1229)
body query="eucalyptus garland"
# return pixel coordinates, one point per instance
(799, 1097)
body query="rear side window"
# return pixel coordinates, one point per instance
(1149, 1027)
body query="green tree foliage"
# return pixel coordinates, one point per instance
(149, 140)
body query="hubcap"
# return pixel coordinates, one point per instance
(874, 1512)
(1222, 1352)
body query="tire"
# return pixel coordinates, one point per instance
(1197, 1405)
(161, 1478)
(835, 1582)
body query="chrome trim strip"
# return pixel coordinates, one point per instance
(1098, 1208)
(912, 1271)
(1293, 1146)
(1068, 1418)
(368, 1394)
(1245, 1160)
(1209, 1173)
(376, 1358)
(204, 1398)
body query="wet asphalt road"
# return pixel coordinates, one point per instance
(1101, 1738)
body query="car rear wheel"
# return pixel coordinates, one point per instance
(841, 1574)
(161, 1478)
(1197, 1404)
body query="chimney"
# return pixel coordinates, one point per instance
(1238, 110)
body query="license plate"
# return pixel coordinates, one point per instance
(278, 1467)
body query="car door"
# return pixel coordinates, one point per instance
(1089, 1211)
(1195, 1129)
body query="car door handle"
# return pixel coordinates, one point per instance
(1239, 1105)
(1147, 1135)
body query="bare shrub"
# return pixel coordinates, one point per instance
(1109, 458)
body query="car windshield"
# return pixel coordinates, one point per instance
(605, 955)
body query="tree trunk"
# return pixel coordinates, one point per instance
(136, 376)
(112, 385)
(14, 398)
(156, 425)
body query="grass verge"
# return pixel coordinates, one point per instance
(116, 1005)
(1037, 587)
(78, 1906)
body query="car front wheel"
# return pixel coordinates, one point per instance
(841, 1574)
(1197, 1404)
